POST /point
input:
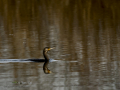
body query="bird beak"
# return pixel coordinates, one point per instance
(50, 48)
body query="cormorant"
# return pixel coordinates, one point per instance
(45, 68)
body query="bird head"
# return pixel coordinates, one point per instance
(47, 71)
(47, 49)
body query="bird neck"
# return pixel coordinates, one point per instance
(45, 55)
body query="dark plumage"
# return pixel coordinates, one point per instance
(45, 68)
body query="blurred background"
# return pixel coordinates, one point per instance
(86, 37)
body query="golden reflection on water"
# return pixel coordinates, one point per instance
(83, 31)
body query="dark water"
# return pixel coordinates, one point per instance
(84, 31)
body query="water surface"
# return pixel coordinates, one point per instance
(85, 32)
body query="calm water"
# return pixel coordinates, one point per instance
(86, 37)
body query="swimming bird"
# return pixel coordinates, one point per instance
(45, 68)
(46, 60)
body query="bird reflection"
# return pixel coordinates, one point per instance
(46, 60)
(45, 66)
